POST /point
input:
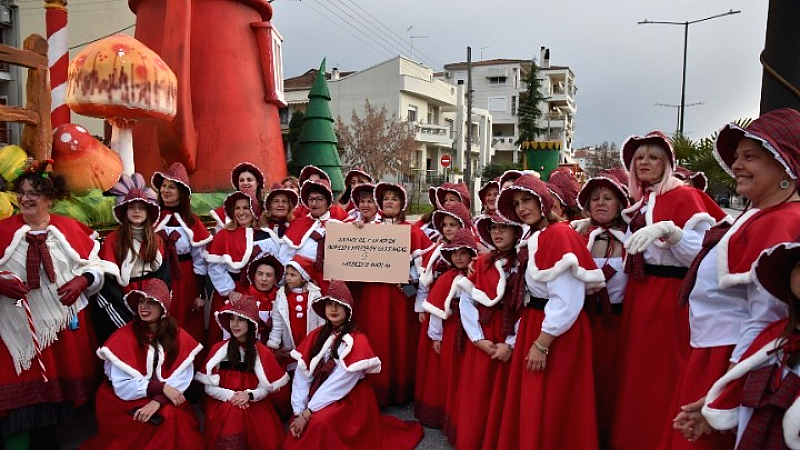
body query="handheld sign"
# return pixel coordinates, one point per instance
(445, 160)
(373, 253)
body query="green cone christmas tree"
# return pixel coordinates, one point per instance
(317, 141)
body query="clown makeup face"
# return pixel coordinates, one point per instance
(239, 327)
(247, 181)
(450, 226)
(461, 258)
(335, 312)
(264, 278)
(293, 278)
(136, 212)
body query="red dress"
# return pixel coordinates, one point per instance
(228, 426)
(437, 374)
(736, 252)
(354, 422)
(116, 428)
(387, 317)
(655, 327)
(188, 243)
(554, 408)
(475, 422)
(230, 252)
(72, 369)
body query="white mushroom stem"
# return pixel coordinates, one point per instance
(122, 142)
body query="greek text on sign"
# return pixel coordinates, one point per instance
(374, 253)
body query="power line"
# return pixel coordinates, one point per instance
(389, 50)
(102, 37)
(94, 2)
(327, 17)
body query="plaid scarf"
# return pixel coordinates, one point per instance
(38, 255)
(320, 256)
(321, 374)
(769, 394)
(634, 264)
(172, 252)
(710, 240)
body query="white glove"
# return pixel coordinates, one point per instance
(665, 230)
(580, 225)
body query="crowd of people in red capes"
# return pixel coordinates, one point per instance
(628, 313)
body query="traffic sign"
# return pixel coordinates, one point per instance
(445, 160)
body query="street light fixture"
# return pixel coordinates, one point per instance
(685, 42)
(677, 126)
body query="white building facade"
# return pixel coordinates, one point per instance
(497, 85)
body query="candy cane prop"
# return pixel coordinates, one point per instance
(32, 329)
(58, 58)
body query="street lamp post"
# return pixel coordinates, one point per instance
(685, 45)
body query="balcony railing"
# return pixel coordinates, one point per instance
(433, 133)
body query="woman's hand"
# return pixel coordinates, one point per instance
(358, 223)
(690, 421)
(502, 352)
(174, 395)
(72, 289)
(240, 399)
(144, 413)
(537, 359)
(199, 303)
(234, 296)
(423, 317)
(437, 347)
(13, 288)
(487, 346)
(299, 423)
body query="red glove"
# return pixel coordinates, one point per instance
(72, 289)
(13, 288)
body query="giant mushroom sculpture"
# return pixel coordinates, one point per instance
(120, 79)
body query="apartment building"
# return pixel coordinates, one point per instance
(497, 85)
(409, 91)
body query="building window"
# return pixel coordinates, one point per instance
(497, 104)
(497, 80)
(5, 131)
(412, 113)
(513, 105)
(284, 115)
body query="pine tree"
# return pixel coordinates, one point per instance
(529, 101)
(317, 141)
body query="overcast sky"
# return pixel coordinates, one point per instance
(621, 68)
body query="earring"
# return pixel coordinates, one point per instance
(784, 184)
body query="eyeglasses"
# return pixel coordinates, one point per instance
(316, 199)
(33, 195)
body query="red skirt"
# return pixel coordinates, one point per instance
(355, 423)
(605, 354)
(704, 367)
(117, 430)
(554, 408)
(388, 319)
(230, 427)
(184, 291)
(452, 358)
(72, 368)
(654, 345)
(481, 393)
(428, 394)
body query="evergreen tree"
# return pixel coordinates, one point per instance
(529, 101)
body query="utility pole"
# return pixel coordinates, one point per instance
(468, 159)
(781, 77)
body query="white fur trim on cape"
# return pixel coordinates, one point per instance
(483, 297)
(318, 223)
(726, 278)
(371, 365)
(126, 268)
(722, 419)
(161, 225)
(313, 321)
(455, 289)
(426, 277)
(107, 355)
(210, 378)
(221, 221)
(791, 425)
(593, 278)
(618, 235)
(228, 260)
